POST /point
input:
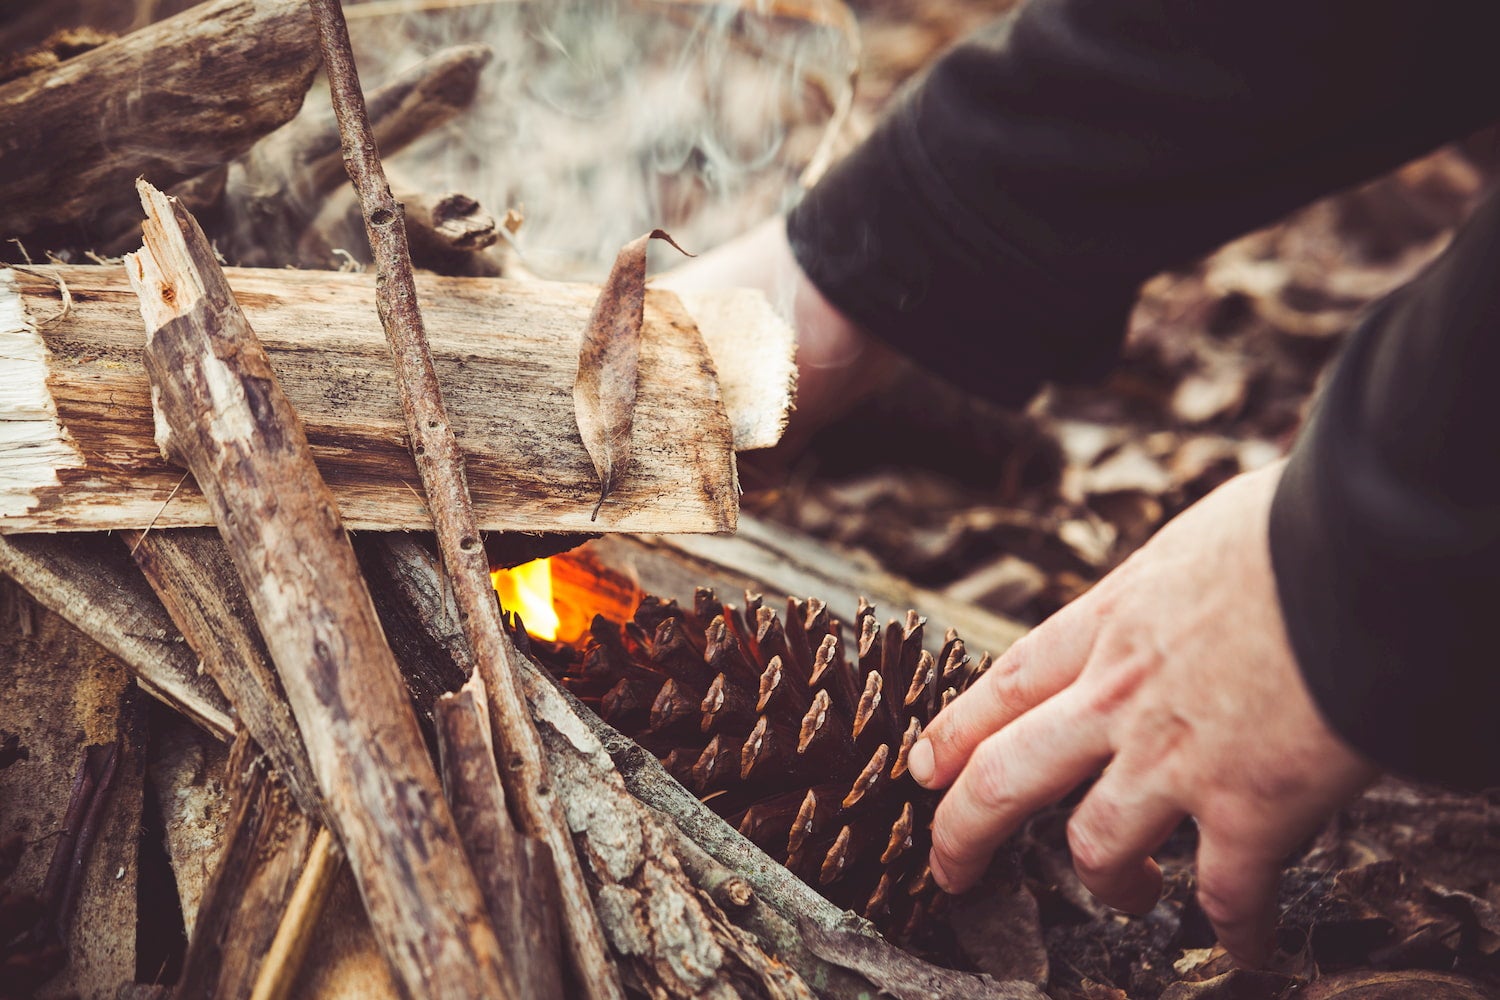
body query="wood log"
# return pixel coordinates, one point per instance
(195, 578)
(166, 102)
(276, 189)
(90, 581)
(222, 413)
(76, 450)
(266, 844)
(515, 871)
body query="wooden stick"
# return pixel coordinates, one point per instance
(193, 574)
(294, 936)
(76, 449)
(222, 412)
(515, 871)
(266, 844)
(168, 102)
(441, 465)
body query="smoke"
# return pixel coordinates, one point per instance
(602, 119)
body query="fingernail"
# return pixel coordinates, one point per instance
(920, 762)
(938, 874)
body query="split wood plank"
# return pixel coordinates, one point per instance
(166, 102)
(76, 447)
(221, 412)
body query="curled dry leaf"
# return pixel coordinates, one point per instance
(604, 392)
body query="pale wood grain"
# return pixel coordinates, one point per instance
(506, 354)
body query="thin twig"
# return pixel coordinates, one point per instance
(56, 279)
(440, 464)
(159, 513)
(278, 970)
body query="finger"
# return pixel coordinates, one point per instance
(1027, 765)
(1237, 891)
(1035, 668)
(1112, 833)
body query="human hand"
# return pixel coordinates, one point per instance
(838, 364)
(1175, 671)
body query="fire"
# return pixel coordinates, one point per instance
(527, 589)
(558, 598)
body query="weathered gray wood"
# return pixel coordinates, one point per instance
(506, 353)
(166, 102)
(221, 412)
(89, 580)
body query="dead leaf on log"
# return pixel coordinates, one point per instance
(604, 393)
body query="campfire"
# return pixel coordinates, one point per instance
(267, 729)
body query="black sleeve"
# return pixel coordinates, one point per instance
(1385, 529)
(997, 225)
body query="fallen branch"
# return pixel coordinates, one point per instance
(515, 871)
(166, 102)
(441, 466)
(222, 413)
(294, 935)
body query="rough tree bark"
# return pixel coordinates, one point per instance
(166, 102)
(221, 412)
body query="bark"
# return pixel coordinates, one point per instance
(266, 845)
(195, 578)
(167, 102)
(515, 871)
(76, 449)
(222, 413)
(442, 470)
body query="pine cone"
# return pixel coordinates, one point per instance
(782, 733)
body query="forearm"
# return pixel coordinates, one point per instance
(1016, 199)
(1385, 531)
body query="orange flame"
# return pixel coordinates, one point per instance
(527, 589)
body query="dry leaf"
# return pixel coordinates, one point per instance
(604, 392)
